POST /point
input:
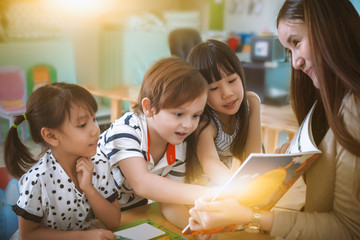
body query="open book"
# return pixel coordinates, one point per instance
(264, 178)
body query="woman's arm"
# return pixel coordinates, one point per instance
(32, 231)
(253, 141)
(209, 158)
(158, 188)
(332, 190)
(332, 199)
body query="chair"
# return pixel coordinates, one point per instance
(181, 41)
(12, 95)
(39, 75)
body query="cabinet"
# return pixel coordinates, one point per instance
(269, 80)
(126, 55)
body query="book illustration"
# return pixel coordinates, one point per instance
(272, 177)
(264, 178)
(145, 230)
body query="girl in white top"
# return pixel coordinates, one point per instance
(325, 55)
(63, 191)
(231, 127)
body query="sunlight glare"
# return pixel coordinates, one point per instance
(82, 5)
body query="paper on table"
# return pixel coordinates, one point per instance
(140, 232)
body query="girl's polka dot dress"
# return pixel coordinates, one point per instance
(49, 197)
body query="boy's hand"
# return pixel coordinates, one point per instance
(84, 171)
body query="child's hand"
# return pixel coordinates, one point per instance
(283, 148)
(101, 234)
(84, 171)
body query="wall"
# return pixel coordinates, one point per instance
(203, 6)
(82, 27)
(238, 18)
(251, 15)
(216, 21)
(83, 23)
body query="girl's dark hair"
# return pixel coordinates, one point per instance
(210, 58)
(47, 107)
(335, 47)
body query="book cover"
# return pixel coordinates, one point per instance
(264, 178)
(145, 230)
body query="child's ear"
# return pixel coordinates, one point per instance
(146, 106)
(50, 136)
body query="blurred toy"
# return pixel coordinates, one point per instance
(234, 42)
(9, 194)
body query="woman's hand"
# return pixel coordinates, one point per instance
(207, 215)
(84, 171)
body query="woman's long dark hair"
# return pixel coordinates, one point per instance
(335, 46)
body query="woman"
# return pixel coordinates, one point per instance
(325, 57)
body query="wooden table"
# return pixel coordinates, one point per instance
(152, 212)
(276, 119)
(117, 95)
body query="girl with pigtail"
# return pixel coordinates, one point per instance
(66, 188)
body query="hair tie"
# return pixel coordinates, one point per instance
(15, 126)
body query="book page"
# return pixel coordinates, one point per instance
(303, 140)
(140, 232)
